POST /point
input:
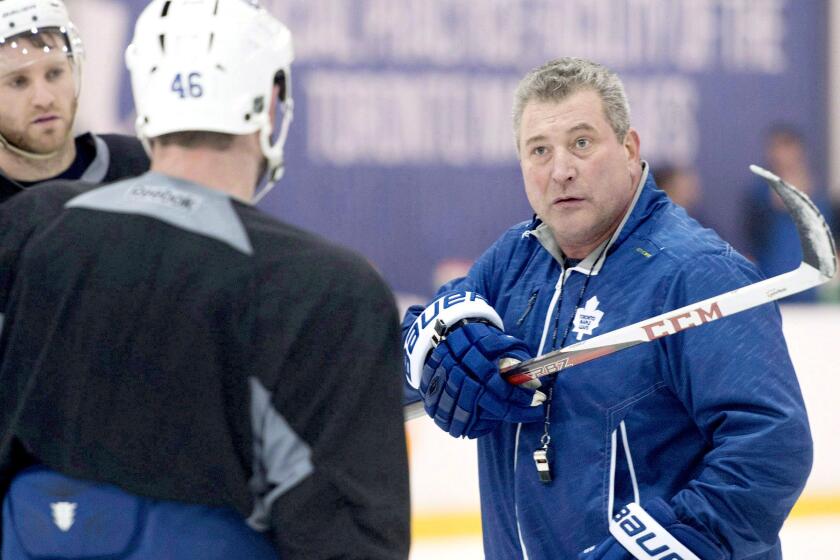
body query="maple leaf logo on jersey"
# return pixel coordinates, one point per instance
(587, 319)
(64, 514)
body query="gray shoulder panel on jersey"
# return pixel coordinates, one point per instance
(180, 203)
(281, 458)
(97, 169)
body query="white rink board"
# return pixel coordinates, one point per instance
(810, 537)
(813, 337)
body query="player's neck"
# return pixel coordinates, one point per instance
(230, 171)
(30, 170)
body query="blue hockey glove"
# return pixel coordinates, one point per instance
(461, 386)
(659, 510)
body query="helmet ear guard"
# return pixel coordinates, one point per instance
(273, 149)
(212, 65)
(280, 80)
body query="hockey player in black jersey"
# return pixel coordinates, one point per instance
(41, 58)
(182, 375)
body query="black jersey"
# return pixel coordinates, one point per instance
(99, 159)
(182, 345)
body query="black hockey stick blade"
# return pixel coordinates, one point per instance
(814, 236)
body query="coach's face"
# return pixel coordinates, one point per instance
(579, 178)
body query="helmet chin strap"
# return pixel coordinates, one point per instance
(25, 153)
(270, 178)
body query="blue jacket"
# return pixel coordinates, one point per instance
(710, 419)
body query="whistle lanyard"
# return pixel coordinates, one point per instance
(542, 458)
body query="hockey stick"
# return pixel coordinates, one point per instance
(819, 265)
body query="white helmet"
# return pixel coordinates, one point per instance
(28, 19)
(211, 65)
(34, 16)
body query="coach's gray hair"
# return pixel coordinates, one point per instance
(560, 78)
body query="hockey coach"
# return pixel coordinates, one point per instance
(694, 446)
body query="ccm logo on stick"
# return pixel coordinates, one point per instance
(645, 537)
(677, 323)
(548, 369)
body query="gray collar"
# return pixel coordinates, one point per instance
(97, 169)
(183, 204)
